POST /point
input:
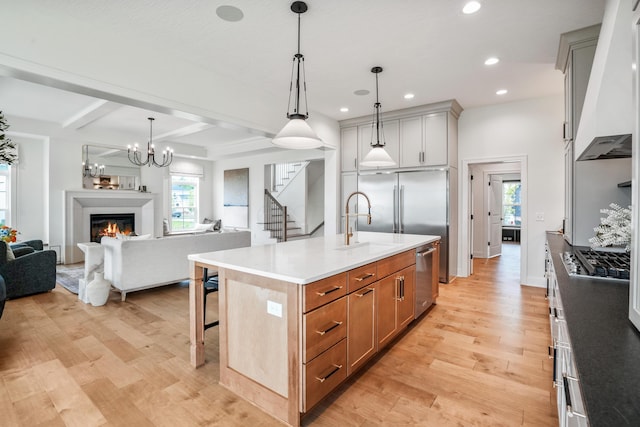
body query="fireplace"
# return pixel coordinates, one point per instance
(110, 224)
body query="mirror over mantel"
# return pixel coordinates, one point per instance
(118, 174)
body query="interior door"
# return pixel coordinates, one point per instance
(495, 215)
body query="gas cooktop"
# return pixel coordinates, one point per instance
(583, 261)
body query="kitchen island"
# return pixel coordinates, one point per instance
(298, 318)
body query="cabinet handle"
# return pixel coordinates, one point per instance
(355, 162)
(555, 367)
(331, 328)
(335, 288)
(369, 290)
(364, 277)
(335, 369)
(400, 283)
(567, 397)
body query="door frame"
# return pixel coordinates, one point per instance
(464, 239)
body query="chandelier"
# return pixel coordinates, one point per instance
(89, 170)
(377, 157)
(135, 155)
(297, 133)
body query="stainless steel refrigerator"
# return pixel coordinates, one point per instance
(412, 203)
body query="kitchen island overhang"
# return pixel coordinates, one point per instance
(264, 335)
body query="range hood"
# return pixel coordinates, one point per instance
(608, 147)
(607, 114)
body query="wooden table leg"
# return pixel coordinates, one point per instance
(196, 315)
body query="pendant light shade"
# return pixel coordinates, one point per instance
(297, 134)
(378, 156)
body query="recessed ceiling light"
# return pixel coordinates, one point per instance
(491, 61)
(501, 92)
(471, 7)
(409, 96)
(634, 66)
(344, 109)
(229, 13)
(361, 92)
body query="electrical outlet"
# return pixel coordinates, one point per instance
(274, 309)
(539, 216)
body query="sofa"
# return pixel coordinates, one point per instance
(31, 272)
(136, 264)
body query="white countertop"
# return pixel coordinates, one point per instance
(305, 261)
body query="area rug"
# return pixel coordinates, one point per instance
(68, 277)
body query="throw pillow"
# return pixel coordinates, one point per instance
(218, 225)
(121, 236)
(207, 221)
(203, 227)
(10, 255)
(165, 227)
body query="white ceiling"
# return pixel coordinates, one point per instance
(426, 47)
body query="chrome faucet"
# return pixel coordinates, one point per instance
(349, 233)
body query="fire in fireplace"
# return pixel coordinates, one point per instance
(110, 224)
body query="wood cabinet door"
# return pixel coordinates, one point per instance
(411, 142)
(406, 297)
(349, 149)
(361, 329)
(387, 316)
(435, 139)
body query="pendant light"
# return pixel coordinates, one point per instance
(377, 157)
(297, 133)
(135, 155)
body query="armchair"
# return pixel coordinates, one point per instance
(33, 271)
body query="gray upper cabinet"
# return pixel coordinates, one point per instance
(415, 137)
(575, 59)
(349, 149)
(424, 140)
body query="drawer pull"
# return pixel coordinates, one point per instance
(364, 293)
(567, 397)
(335, 325)
(335, 288)
(335, 369)
(365, 277)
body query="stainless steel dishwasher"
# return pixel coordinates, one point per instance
(427, 272)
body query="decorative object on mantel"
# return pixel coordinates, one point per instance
(98, 290)
(8, 149)
(88, 169)
(377, 156)
(135, 155)
(615, 229)
(297, 133)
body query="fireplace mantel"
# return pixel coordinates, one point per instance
(79, 205)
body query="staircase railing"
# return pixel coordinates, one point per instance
(275, 217)
(281, 173)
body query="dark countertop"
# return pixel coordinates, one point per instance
(606, 345)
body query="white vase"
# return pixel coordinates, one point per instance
(98, 290)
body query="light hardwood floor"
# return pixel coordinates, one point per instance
(478, 358)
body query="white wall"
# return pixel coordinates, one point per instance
(532, 129)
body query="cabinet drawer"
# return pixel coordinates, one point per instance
(324, 291)
(324, 327)
(395, 263)
(324, 373)
(361, 276)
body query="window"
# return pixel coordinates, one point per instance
(5, 194)
(184, 202)
(511, 209)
